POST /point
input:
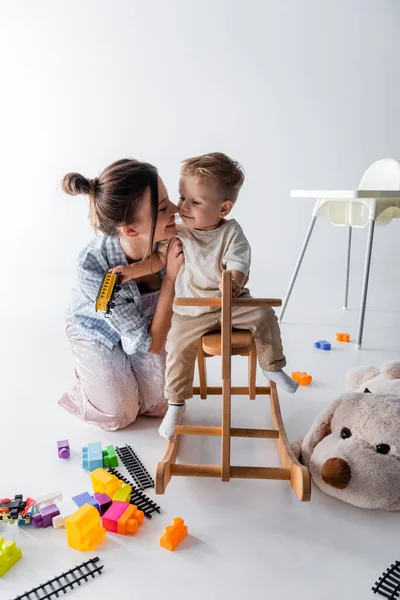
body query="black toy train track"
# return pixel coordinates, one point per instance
(134, 466)
(138, 497)
(64, 582)
(388, 585)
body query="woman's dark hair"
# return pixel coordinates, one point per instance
(116, 195)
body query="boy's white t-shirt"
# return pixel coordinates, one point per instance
(207, 255)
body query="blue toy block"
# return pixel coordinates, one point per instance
(85, 498)
(322, 345)
(92, 456)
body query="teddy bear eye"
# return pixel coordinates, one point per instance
(345, 433)
(383, 448)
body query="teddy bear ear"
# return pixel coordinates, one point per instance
(391, 369)
(319, 429)
(356, 377)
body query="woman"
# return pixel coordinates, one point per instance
(119, 360)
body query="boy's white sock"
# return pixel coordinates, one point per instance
(173, 417)
(282, 380)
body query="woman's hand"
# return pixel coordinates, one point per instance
(175, 258)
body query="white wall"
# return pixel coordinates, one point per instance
(303, 93)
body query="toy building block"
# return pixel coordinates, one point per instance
(122, 518)
(66, 508)
(110, 458)
(343, 337)
(301, 378)
(63, 449)
(83, 528)
(173, 534)
(9, 555)
(52, 498)
(85, 498)
(105, 483)
(322, 345)
(92, 456)
(103, 501)
(123, 493)
(44, 518)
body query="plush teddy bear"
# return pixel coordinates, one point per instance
(353, 446)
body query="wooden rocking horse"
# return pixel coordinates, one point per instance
(227, 343)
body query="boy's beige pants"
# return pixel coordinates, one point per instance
(185, 333)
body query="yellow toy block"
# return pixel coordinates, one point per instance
(105, 483)
(174, 534)
(9, 555)
(343, 337)
(83, 528)
(123, 494)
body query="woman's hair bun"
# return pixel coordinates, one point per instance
(74, 184)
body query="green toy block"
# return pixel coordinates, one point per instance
(110, 458)
(9, 555)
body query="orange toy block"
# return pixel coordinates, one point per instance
(173, 534)
(122, 518)
(83, 528)
(105, 483)
(343, 337)
(302, 378)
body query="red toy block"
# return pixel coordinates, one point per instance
(302, 378)
(343, 337)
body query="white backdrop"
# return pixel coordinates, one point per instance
(304, 94)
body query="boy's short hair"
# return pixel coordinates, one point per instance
(217, 168)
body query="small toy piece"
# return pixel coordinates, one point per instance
(66, 508)
(46, 499)
(109, 288)
(104, 502)
(83, 528)
(343, 337)
(139, 498)
(85, 498)
(388, 585)
(92, 456)
(302, 378)
(110, 458)
(134, 466)
(16, 509)
(65, 581)
(173, 534)
(104, 483)
(322, 345)
(9, 555)
(122, 518)
(44, 518)
(123, 493)
(63, 449)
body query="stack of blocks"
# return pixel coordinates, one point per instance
(93, 457)
(109, 504)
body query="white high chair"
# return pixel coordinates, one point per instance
(377, 200)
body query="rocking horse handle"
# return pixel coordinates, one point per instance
(235, 301)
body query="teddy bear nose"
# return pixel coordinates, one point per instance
(336, 473)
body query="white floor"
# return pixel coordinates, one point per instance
(247, 538)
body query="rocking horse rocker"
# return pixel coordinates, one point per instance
(225, 344)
